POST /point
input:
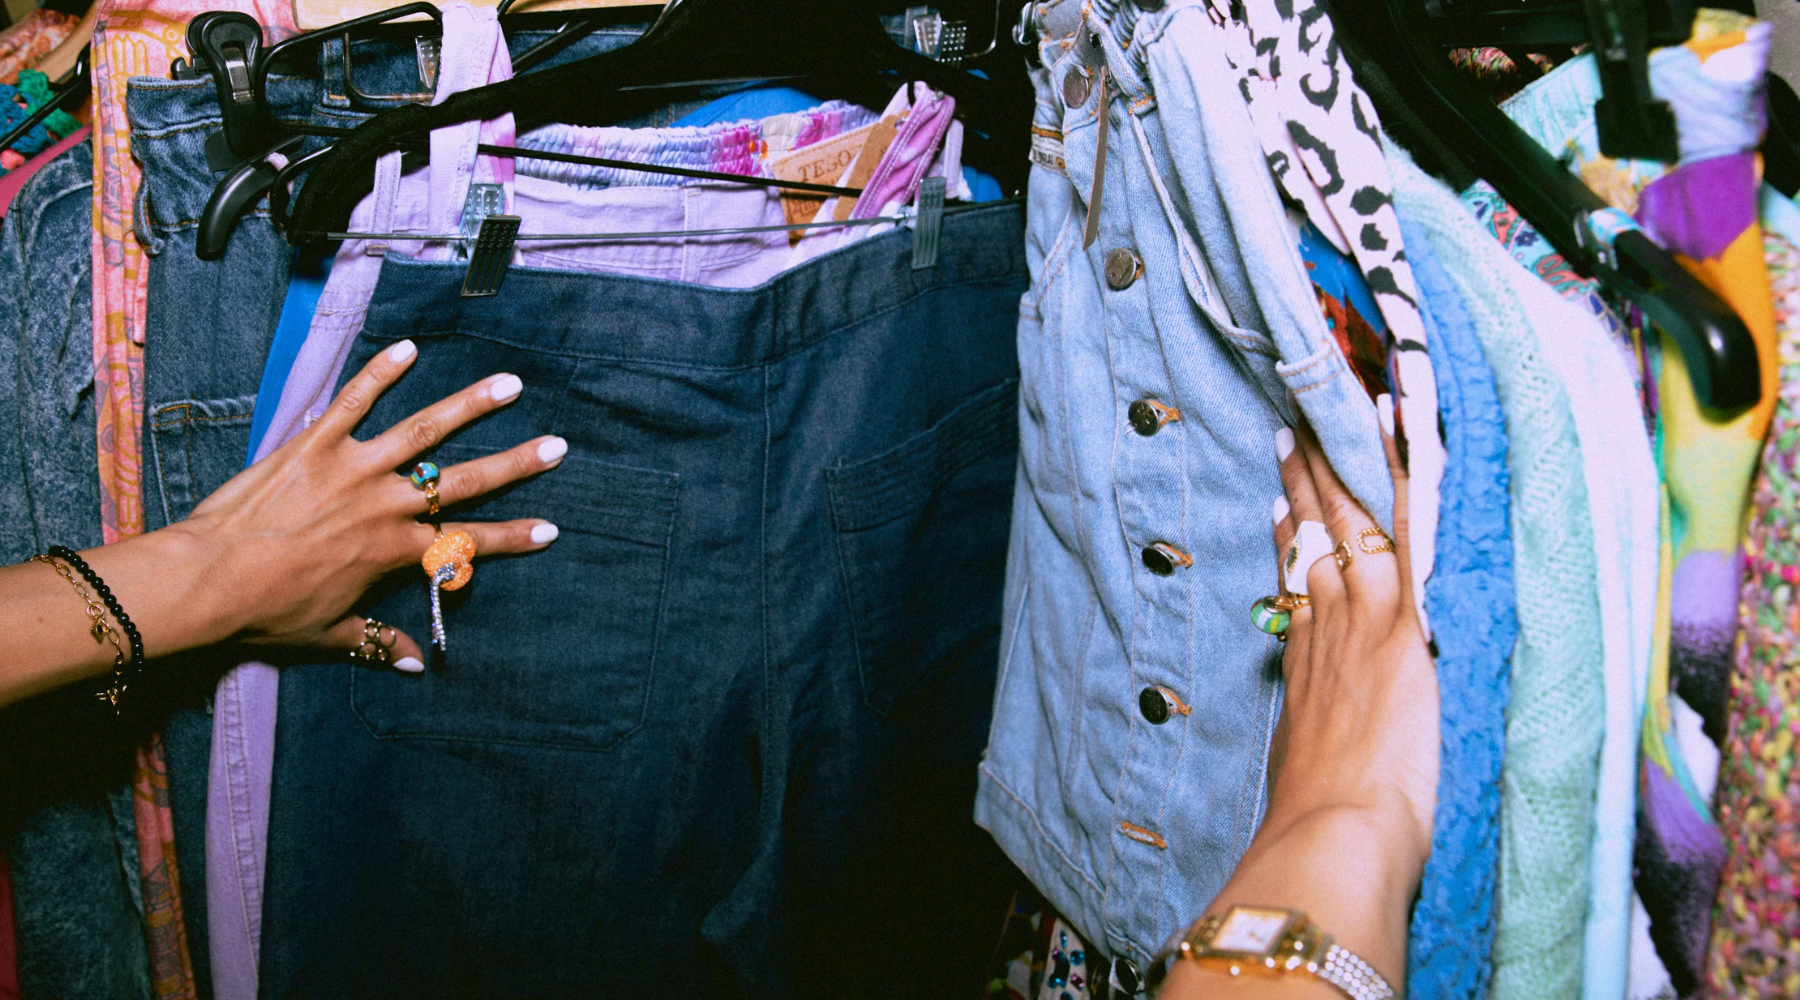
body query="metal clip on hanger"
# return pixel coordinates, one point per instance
(488, 238)
(698, 42)
(230, 45)
(1394, 40)
(71, 90)
(1632, 122)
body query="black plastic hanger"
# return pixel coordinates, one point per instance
(839, 48)
(68, 92)
(230, 45)
(1781, 144)
(1472, 137)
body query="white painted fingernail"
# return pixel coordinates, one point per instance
(551, 449)
(1281, 509)
(1284, 443)
(544, 534)
(505, 387)
(409, 665)
(1384, 412)
(402, 351)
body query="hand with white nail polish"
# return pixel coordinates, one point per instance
(280, 555)
(1353, 760)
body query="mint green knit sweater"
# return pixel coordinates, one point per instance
(1555, 721)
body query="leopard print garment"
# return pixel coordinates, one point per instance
(1323, 143)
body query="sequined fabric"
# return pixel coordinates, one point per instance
(1756, 925)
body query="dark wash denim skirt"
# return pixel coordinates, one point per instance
(720, 739)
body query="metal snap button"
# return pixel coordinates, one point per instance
(1076, 87)
(1149, 6)
(1143, 418)
(1156, 562)
(1147, 416)
(1122, 268)
(1154, 705)
(1127, 976)
(1162, 559)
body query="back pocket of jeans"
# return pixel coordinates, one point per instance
(195, 446)
(921, 532)
(556, 648)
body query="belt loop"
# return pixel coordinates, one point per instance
(140, 224)
(387, 192)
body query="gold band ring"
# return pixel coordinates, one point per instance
(1362, 541)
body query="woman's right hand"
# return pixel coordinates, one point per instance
(1359, 725)
(293, 542)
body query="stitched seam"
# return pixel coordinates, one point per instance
(1323, 356)
(1039, 827)
(166, 424)
(1327, 380)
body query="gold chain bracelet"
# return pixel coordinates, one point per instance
(99, 627)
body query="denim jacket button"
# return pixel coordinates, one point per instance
(1122, 269)
(1154, 705)
(1126, 975)
(1163, 559)
(1147, 416)
(1143, 417)
(1076, 87)
(1149, 6)
(1157, 562)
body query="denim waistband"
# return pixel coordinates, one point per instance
(1114, 32)
(620, 317)
(729, 147)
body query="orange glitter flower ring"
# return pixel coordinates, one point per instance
(448, 558)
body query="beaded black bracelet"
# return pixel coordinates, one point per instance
(69, 556)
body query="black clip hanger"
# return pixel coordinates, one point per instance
(68, 92)
(846, 54)
(1781, 143)
(230, 45)
(1632, 123)
(1468, 137)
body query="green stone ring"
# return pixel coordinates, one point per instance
(1268, 617)
(1272, 614)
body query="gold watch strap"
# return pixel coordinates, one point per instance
(1329, 961)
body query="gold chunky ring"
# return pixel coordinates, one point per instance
(374, 650)
(1343, 555)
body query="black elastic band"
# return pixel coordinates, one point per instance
(69, 556)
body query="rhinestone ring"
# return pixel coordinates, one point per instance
(374, 650)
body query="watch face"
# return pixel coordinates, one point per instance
(1249, 930)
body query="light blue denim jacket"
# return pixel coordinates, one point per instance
(1127, 766)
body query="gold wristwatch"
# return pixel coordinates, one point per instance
(1270, 941)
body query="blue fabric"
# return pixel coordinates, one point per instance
(305, 286)
(1469, 599)
(1778, 213)
(1131, 824)
(766, 100)
(751, 102)
(982, 187)
(1338, 275)
(62, 756)
(14, 109)
(724, 733)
